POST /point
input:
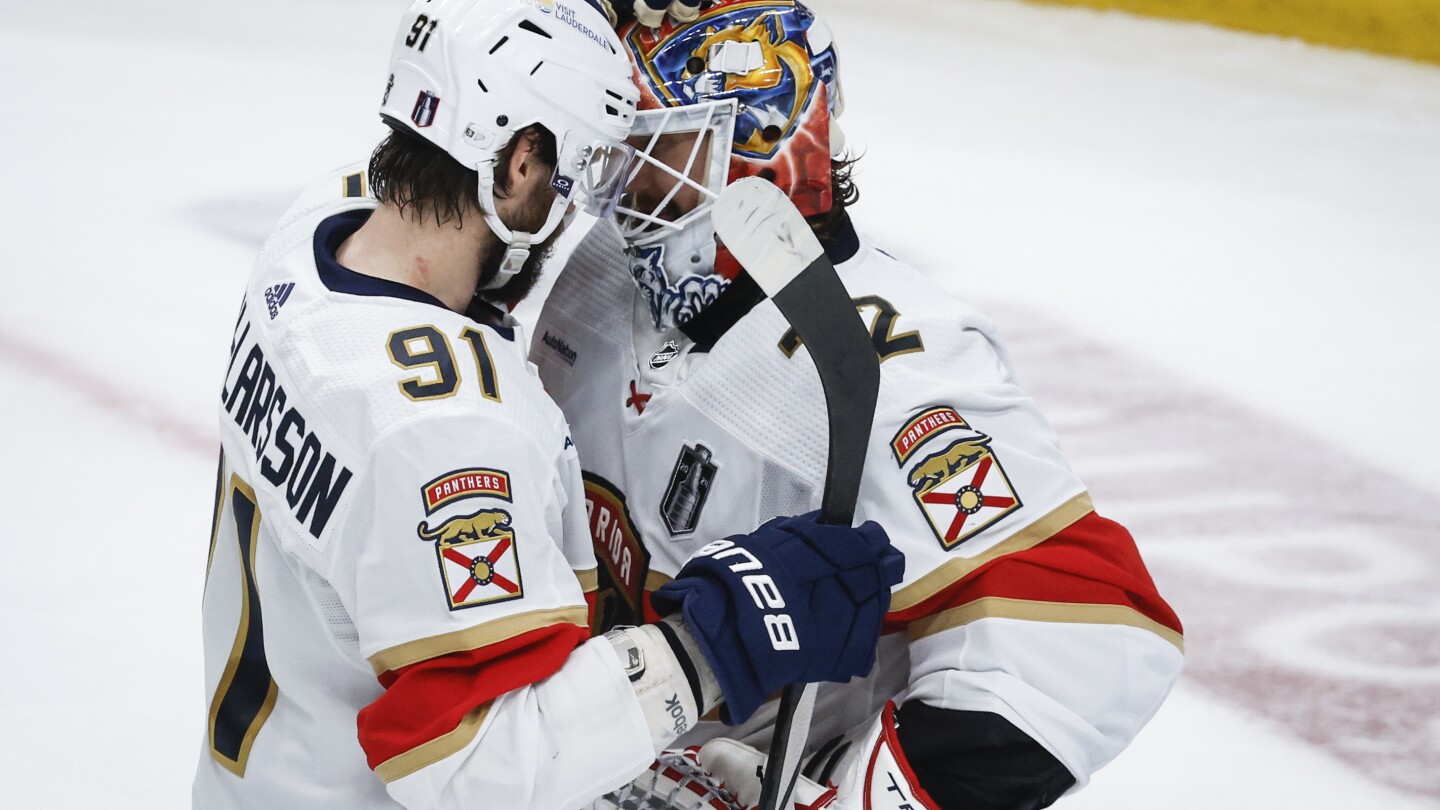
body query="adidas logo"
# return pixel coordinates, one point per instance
(276, 296)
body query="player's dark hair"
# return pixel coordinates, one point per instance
(410, 172)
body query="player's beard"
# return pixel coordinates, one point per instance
(532, 217)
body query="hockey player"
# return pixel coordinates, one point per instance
(1027, 644)
(395, 610)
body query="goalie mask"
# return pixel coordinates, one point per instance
(467, 75)
(747, 89)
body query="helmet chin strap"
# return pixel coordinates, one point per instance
(519, 243)
(517, 250)
(515, 257)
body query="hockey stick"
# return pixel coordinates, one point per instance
(775, 245)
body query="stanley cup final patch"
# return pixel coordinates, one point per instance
(476, 552)
(961, 489)
(425, 106)
(690, 484)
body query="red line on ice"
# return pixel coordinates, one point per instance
(1237, 516)
(106, 396)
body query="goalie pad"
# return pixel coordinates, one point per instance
(676, 781)
(876, 776)
(740, 769)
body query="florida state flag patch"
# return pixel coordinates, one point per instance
(961, 489)
(478, 560)
(476, 552)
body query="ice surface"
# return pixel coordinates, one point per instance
(1215, 255)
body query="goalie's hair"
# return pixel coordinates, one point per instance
(843, 194)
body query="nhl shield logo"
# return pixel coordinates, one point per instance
(425, 106)
(662, 358)
(479, 563)
(962, 490)
(690, 484)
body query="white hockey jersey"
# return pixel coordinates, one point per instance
(1017, 599)
(394, 612)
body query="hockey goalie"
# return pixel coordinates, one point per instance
(1026, 645)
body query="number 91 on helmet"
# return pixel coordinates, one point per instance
(468, 75)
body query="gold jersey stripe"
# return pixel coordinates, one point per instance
(473, 638)
(242, 634)
(589, 580)
(999, 607)
(960, 567)
(655, 580)
(426, 754)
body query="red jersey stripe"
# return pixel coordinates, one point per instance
(426, 701)
(1092, 561)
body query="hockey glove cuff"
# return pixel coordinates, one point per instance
(793, 602)
(674, 685)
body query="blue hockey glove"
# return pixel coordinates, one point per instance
(793, 602)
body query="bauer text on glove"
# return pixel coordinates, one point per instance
(795, 601)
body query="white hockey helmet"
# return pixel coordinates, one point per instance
(467, 75)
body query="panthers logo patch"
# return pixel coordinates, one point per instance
(461, 484)
(922, 429)
(476, 552)
(962, 489)
(479, 563)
